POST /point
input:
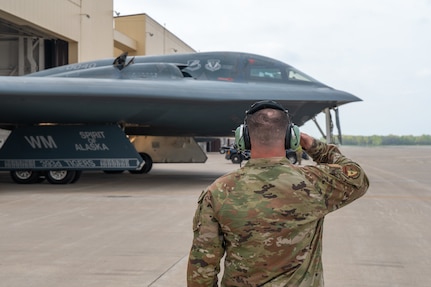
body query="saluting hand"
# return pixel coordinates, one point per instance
(306, 141)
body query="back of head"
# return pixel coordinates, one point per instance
(267, 127)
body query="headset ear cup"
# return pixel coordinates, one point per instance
(246, 136)
(293, 137)
(288, 137)
(242, 139)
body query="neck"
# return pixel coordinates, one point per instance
(264, 153)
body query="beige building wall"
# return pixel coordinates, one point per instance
(97, 34)
(85, 24)
(133, 27)
(150, 37)
(89, 28)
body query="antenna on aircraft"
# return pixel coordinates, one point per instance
(120, 61)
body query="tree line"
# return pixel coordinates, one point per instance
(376, 140)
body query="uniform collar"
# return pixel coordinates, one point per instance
(268, 161)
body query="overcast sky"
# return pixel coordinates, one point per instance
(378, 50)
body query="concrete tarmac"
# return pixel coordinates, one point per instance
(135, 230)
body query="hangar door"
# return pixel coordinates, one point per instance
(25, 50)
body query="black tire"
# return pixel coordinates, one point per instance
(77, 176)
(60, 176)
(236, 158)
(113, 171)
(291, 156)
(25, 176)
(148, 165)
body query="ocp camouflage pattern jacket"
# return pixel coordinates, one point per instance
(267, 217)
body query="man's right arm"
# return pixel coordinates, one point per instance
(337, 177)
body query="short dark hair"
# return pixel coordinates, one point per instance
(267, 126)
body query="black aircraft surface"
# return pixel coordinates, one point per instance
(118, 114)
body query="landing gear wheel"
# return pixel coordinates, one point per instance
(25, 176)
(236, 158)
(291, 156)
(60, 176)
(77, 176)
(148, 164)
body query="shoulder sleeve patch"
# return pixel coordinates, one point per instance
(351, 171)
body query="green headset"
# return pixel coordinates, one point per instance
(242, 137)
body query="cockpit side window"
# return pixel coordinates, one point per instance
(261, 69)
(295, 75)
(265, 73)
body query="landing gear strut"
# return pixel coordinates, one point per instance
(330, 126)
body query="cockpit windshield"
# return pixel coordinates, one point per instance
(250, 68)
(269, 73)
(295, 75)
(265, 70)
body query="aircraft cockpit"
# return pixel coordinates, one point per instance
(236, 67)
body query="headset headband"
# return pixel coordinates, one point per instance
(265, 105)
(242, 137)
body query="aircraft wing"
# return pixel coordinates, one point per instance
(184, 107)
(196, 94)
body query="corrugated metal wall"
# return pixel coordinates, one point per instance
(87, 23)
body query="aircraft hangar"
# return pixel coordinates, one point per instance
(36, 35)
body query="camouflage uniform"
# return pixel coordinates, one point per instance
(267, 218)
(299, 152)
